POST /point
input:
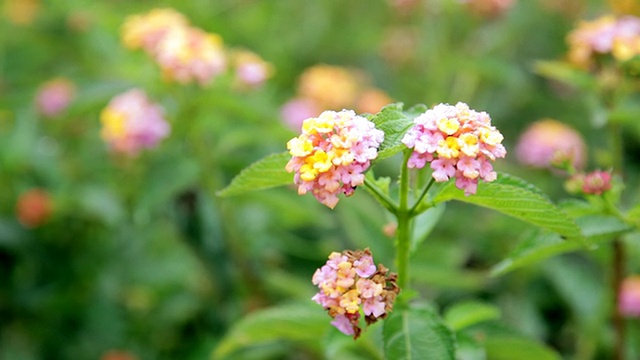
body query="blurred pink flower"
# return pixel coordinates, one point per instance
(548, 142)
(617, 36)
(629, 297)
(131, 122)
(145, 31)
(297, 110)
(488, 8)
(184, 53)
(372, 101)
(54, 97)
(188, 54)
(331, 87)
(251, 70)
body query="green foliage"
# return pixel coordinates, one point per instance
(296, 324)
(394, 122)
(417, 333)
(465, 314)
(263, 174)
(516, 198)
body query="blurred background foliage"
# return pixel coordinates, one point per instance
(139, 258)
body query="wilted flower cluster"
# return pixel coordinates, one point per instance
(54, 96)
(619, 37)
(131, 122)
(333, 88)
(629, 297)
(459, 143)
(350, 282)
(549, 143)
(186, 53)
(332, 154)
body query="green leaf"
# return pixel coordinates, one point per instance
(539, 245)
(512, 347)
(463, 315)
(566, 73)
(263, 174)
(395, 123)
(424, 223)
(417, 333)
(535, 247)
(516, 198)
(300, 324)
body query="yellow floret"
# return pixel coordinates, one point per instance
(469, 144)
(350, 301)
(113, 124)
(300, 146)
(448, 148)
(490, 137)
(448, 126)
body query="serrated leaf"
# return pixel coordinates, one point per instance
(535, 247)
(463, 315)
(540, 245)
(417, 333)
(297, 323)
(516, 198)
(600, 228)
(394, 123)
(263, 174)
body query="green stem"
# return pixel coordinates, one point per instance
(416, 209)
(386, 201)
(403, 236)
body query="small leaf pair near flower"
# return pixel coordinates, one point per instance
(349, 283)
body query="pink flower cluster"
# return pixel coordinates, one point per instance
(131, 122)
(593, 183)
(332, 154)
(350, 282)
(619, 37)
(54, 96)
(333, 88)
(547, 143)
(184, 53)
(459, 143)
(629, 297)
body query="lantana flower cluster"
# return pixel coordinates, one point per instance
(332, 88)
(332, 154)
(351, 283)
(184, 53)
(595, 182)
(617, 36)
(188, 54)
(458, 142)
(131, 122)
